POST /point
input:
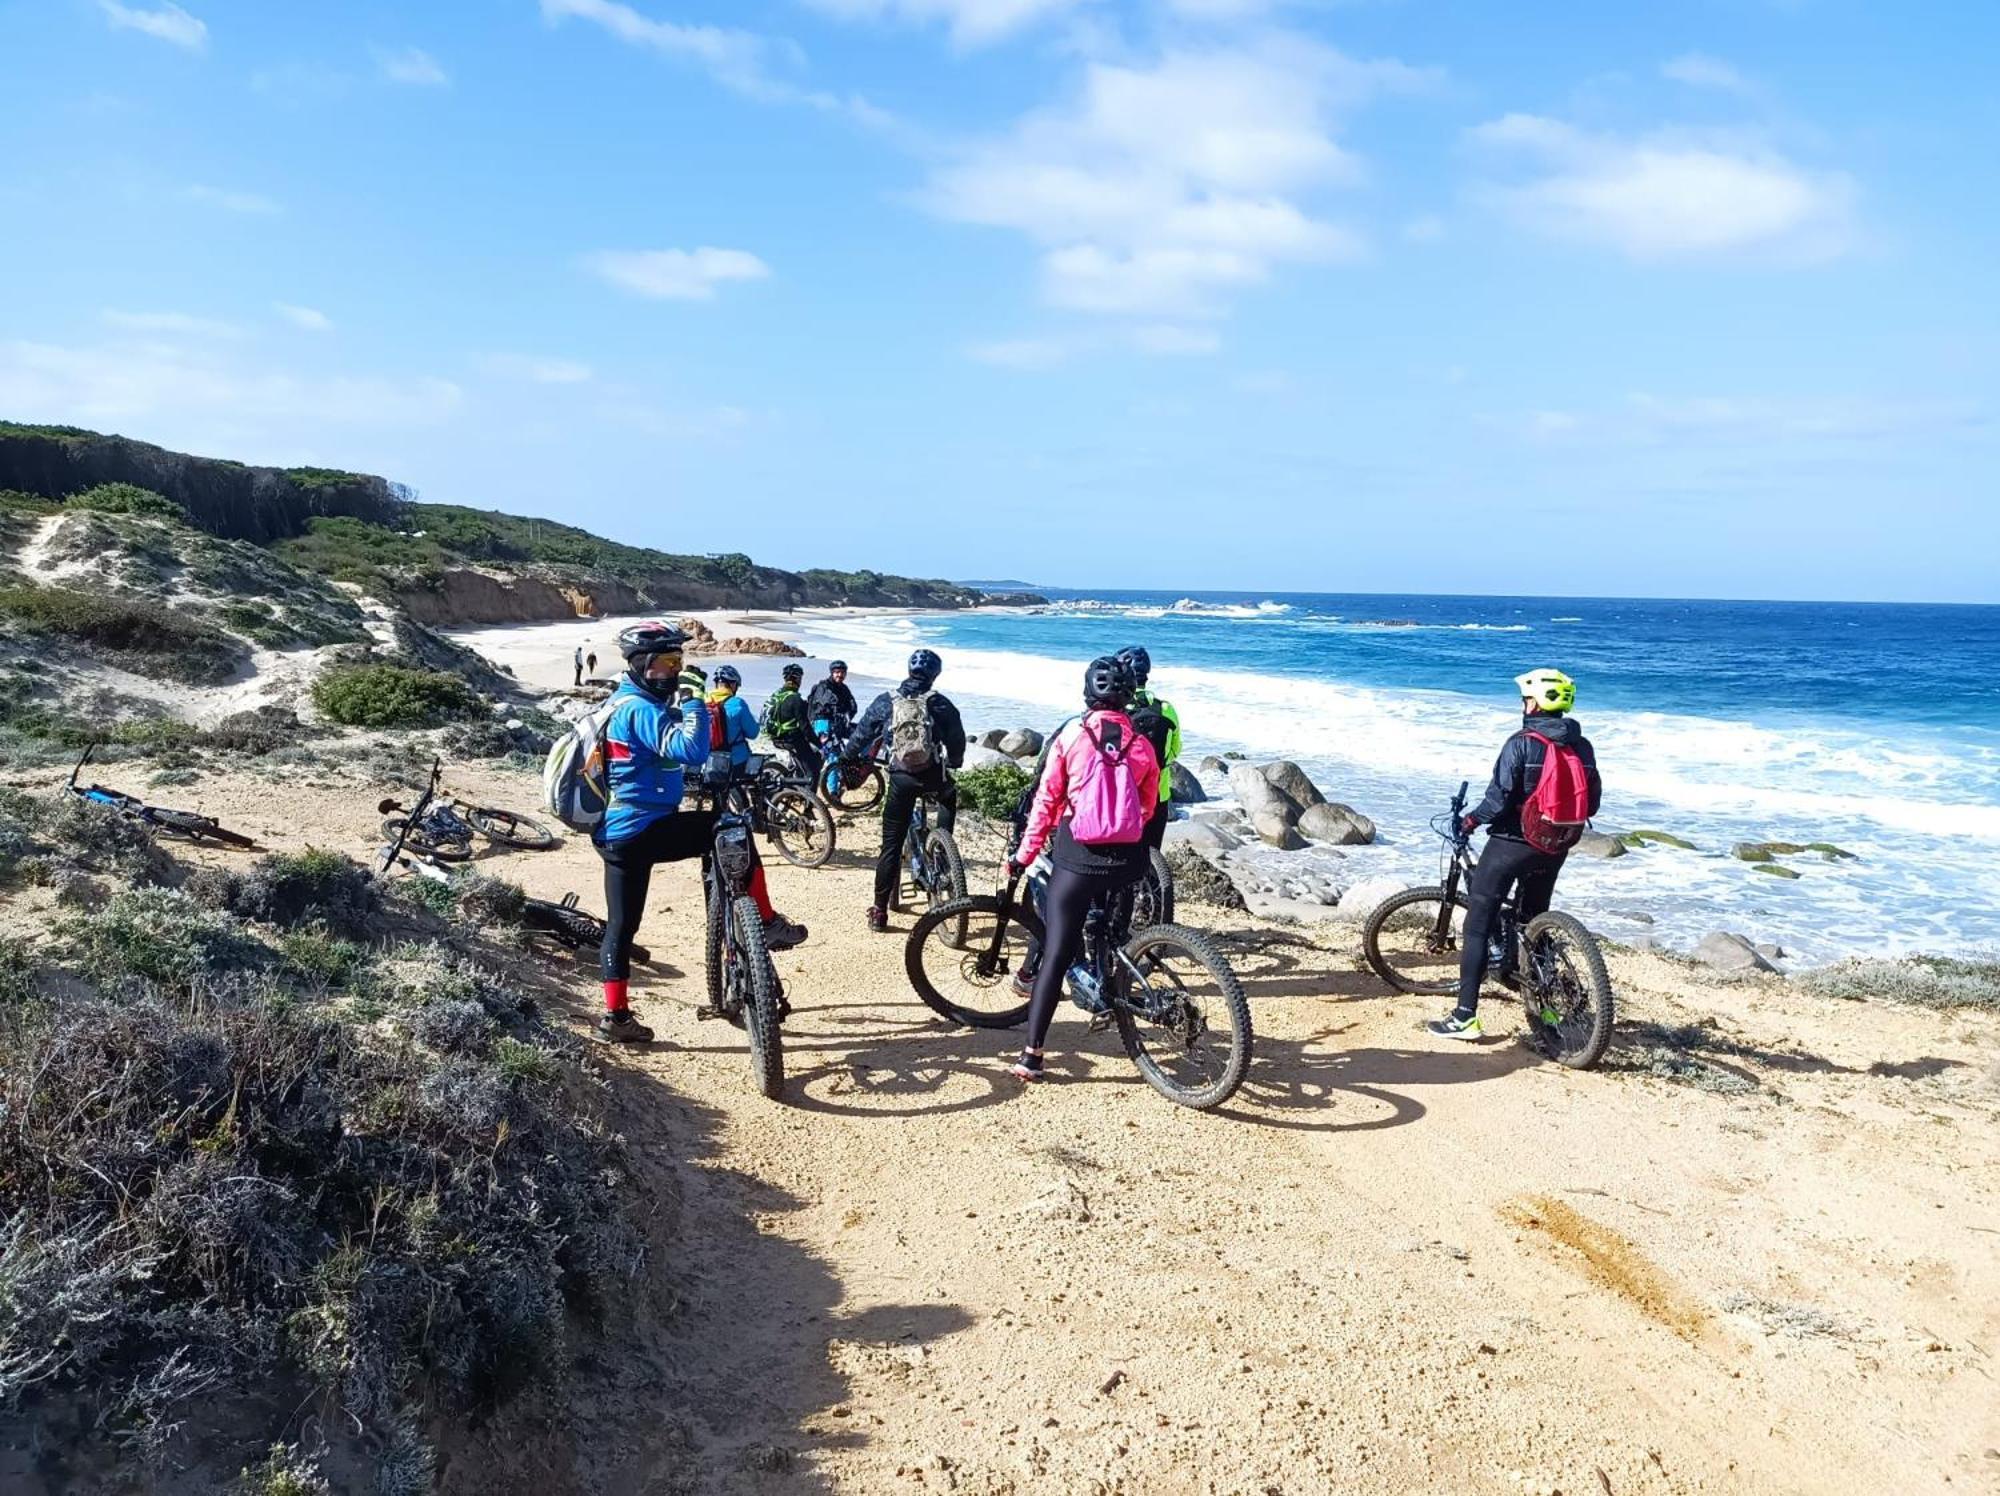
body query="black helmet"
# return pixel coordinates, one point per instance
(727, 675)
(1137, 661)
(644, 640)
(1108, 683)
(836, 665)
(793, 673)
(925, 665)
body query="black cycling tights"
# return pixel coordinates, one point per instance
(1504, 861)
(628, 871)
(898, 806)
(1063, 912)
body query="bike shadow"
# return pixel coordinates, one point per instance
(1307, 1085)
(1273, 963)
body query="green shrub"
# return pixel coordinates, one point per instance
(391, 696)
(128, 498)
(160, 935)
(285, 1472)
(994, 790)
(317, 886)
(319, 956)
(1927, 981)
(17, 972)
(144, 637)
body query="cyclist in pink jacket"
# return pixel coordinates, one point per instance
(1099, 788)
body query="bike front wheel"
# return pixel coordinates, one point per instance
(963, 958)
(450, 847)
(855, 787)
(1566, 990)
(751, 988)
(1412, 941)
(944, 882)
(1182, 1016)
(801, 827)
(510, 830)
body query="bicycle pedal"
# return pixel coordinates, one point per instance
(1099, 1022)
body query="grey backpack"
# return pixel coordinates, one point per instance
(912, 742)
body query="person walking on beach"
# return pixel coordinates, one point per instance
(590, 664)
(578, 661)
(1547, 762)
(832, 702)
(787, 724)
(922, 735)
(1157, 721)
(1098, 792)
(649, 744)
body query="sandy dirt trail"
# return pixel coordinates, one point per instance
(1392, 1264)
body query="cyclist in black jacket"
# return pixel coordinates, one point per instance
(1546, 697)
(832, 702)
(873, 732)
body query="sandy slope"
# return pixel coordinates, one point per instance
(1392, 1265)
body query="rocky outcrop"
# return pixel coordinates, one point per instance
(1020, 742)
(1342, 825)
(1599, 844)
(221, 497)
(1285, 807)
(1289, 780)
(1729, 952)
(1198, 881)
(463, 596)
(1186, 788)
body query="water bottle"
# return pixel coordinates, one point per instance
(1083, 986)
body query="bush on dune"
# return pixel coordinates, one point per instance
(128, 498)
(994, 790)
(143, 637)
(393, 696)
(1927, 981)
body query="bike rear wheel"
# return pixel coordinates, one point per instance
(454, 848)
(1411, 945)
(1183, 1018)
(199, 828)
(1566, 990)
(1153, 895)
(712, 948)
(751, 987)
(961, 958)
(855, 787)
(801, 826)
(510, 830)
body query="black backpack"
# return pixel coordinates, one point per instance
(1151, 724)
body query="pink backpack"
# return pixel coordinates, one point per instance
(1107, 764)
(1559, 809)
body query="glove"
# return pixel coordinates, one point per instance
(1469, 825)
(1014, 870)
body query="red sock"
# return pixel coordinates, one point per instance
(614, 997)
(761, 893)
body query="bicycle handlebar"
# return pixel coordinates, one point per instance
(392, 853)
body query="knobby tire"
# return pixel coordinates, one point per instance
(1577, 1040)
(1378, 961)
(757, 983)
(1021, 917)
(1228, 998)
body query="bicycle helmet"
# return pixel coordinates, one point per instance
(1550, 690)
(793, 673)
(641, 645)
(926, 666)
(727, 675)
(836, 665)
(1108, 684)
(1138, 662)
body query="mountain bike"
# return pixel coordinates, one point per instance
(184, 823)
(444, 826)
(1179, 1010)
(1413, 941)
(933, 869)
(852, 784)
(550, 925)
(785, 809)
(743, 985)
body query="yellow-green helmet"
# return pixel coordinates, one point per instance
(1550, 690)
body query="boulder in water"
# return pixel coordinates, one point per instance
(991, 737)
(1730, 952)
(1774, 870)
(1020, 742)
(1640, 839)
(979, 756)
(1187, 789)
(1289, 780)
(1342, 825)
(1275, 829)
(1257, 794)
(1211, 764)
(1598, 844)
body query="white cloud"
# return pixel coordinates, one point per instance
(1161, 188)
(303, 317)
(250, 203)
(1669, 195)
(169, 324)
(1026, 355)
(744, 61)
(534, 369)
(169, 23)
(410, 65)
(1698, 70)
(675, 274)
(182, 389)
(972, 22)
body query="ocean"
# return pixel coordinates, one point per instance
(1872, 726)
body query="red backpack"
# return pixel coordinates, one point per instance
(1554, 818)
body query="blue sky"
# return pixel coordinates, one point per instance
(1690, 299)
